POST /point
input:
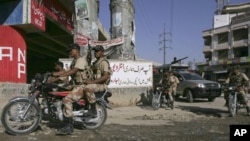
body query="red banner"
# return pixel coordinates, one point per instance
(108, 43)
(81, 39)
(55, 10)
(12, 56)
(37, 15)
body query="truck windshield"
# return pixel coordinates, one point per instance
(192, 76)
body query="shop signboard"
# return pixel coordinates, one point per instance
(126, 74)
(12, 56)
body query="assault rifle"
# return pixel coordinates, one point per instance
(89, 54)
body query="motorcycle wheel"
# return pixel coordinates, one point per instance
(156, 102)
(232, 105)
(12, 119)
(102, 112)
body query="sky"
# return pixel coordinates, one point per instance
(184, 19)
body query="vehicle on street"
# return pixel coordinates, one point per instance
(160, 98)
(23, 114)
(193, 86)
(235, 101)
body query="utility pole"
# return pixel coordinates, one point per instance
(122, 25)
(164, 40)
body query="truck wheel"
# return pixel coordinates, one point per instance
(211, 99)
(189, 96)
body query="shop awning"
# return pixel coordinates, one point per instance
(220, 71)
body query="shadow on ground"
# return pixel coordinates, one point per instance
(203, 111)
(196, 100)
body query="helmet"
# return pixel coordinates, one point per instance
(237, 67)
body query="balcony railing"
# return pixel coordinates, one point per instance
(240, 43)
(231, 61)
(241, 18)
(207, 49)
(222, 46)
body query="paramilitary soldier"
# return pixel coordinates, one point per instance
(79, 74)
(242, 81)
(170, 82)
(102, 73)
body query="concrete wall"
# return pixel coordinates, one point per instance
(130, 96)
(120, 96)
(9, 90)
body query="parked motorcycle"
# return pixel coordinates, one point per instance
(22, 115)
(234, 100)
(160, 98)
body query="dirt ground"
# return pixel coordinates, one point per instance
(198, 121)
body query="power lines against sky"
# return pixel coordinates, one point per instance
(146, 19)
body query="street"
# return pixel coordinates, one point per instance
(198, 121)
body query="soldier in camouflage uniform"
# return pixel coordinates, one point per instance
(174, 83)
(102, 73)
(78, 72)
(170, 82)
(242, 81)
(225, 90)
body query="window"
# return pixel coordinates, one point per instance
(223, 38)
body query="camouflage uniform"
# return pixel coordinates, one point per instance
(175, 82)
(78, 85)
(99, 67)
(61, 81)
(170, 83)
(240, 80)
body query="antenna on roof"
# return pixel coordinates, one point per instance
(220, 5)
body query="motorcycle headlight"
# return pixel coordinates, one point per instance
(231, 88)
(158, 88)
(32, 84)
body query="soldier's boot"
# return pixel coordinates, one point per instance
(172, 104)
(248, 110)
(226, 103)
(68, 127)
(164, 99)
(92, 112)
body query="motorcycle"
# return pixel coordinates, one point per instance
(160, 98)
(22, 115)
(234, 100)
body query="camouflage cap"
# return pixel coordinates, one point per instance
(73, 46)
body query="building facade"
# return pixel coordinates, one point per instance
(36, 33)
(227, 43)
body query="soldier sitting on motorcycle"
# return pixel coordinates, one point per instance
(169, 82)
(60, 81)
(242, 81)
(79, 74)
(102, 73)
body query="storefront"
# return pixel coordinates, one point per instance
(33, 35)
